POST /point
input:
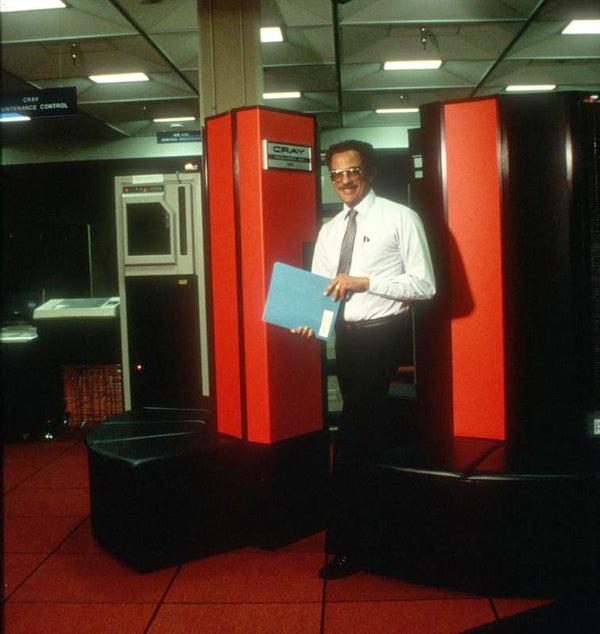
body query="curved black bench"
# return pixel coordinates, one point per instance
(481, 520)
(164, 489)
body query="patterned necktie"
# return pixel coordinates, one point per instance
(348, 243)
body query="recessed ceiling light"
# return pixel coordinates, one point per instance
(118, 78)
(415, 64)
(282, 95)
(7, 6)
(13, 117)
(396, 110)
(173, 119)
(271, 34)
(530, 87)
(582, 27)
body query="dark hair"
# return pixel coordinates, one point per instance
(365, 150)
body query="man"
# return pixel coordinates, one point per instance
(376, 253)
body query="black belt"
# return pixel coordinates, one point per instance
(371, 323)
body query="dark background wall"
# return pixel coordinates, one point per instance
(394, 170)
(46, 210)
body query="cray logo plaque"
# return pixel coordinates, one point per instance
(287, 156)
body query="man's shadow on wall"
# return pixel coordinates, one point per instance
(433, 351)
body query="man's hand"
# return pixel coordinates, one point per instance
(343, 285)
(304, 332)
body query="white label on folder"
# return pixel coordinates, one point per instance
(326, 323)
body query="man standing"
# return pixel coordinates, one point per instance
(376, 253)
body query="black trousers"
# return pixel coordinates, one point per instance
(366, 360)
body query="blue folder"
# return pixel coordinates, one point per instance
(295, 298)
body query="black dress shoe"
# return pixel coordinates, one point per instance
(339, 567)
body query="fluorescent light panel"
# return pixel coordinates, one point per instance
(13, 117)
(415, 64)
(530, 88)
(119, 78)
(396, 110)
(8, 6)
(282, 95)
(271, 34)
(173, 119)
(582, 27)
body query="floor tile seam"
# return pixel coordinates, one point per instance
(239, 603)
(56, 488)
(27, 577)
(323, 617)
(60, 453)
(63, 553)
(10, 516)
(79, 603)
(23, 487)
(494, 609)
(56, 549)
(45, 461)
(34, 444)
(157, 603)
(70, 534)
(160, 603)
(28, 477)
(48, 551)
(5, 491)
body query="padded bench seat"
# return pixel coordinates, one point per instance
(479, 522)
(165, 490)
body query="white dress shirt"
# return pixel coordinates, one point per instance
(390, 249)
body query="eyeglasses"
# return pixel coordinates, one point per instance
(337, 176)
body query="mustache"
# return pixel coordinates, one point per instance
(350, 186)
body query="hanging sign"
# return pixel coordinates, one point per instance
(179, 137)
(46, 102)
(286, 156)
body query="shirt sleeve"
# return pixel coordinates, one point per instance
(417, 281)
(321, 262)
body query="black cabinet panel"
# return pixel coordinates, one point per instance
(164, 341)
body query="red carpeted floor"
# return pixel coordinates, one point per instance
(57, 579)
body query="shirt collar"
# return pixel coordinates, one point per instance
(363, 206)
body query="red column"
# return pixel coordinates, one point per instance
(268, 383)
(473, 216)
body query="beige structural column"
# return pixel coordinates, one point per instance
(230, 64)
